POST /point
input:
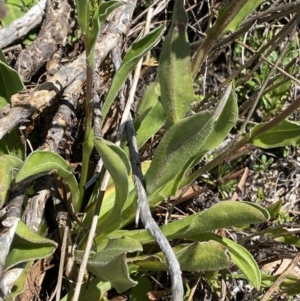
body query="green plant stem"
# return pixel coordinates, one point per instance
(87, 145)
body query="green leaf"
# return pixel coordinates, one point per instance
(284, 134)
(274, 209)
(240, 256)
(11, 144)
(110, 263)
(289, 286)
(139, 292)
(9, 167)
(148, 101)
(236, 12)
(136, 51)
(150, 115)
(27, 245)
(19, 285)
(174, 70)
(10, 81)
(180, 142)
(117, 164)
(225, 118)
(82, 14)
(39, 163)
(222, 215)
(102, 12)
(195, 257)
(227, 214)
(284, 236)
(93, 290)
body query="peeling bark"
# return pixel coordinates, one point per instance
(52, 35)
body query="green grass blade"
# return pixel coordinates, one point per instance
(136, 51)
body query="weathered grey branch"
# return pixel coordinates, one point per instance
(13, 215)
(51, 36)
(46, 93)
(20, 27)
(146, 217)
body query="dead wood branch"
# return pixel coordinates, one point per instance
(51, 36)
(20, 27)
(75, 71)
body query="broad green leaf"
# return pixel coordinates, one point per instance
(224, 122)
(19, 285)
(11, 144)
(180, 142)
(240, 256)
(93, 290)
(9, 167)
(274, 209)
(39, 163)
(139, 292)
(10, 81)
(109, 199)
(117, 164)
(222, 215)
(27, 245)
(150, 125)
(82, 14)
(225, 118)
(103, 10)
(136, 51)
(146, 104)
(203, 256)
(150, 116)
(284, 134)
(110, 263)
(151, 122)
(195, 257)
(174, 71)
(227, 214)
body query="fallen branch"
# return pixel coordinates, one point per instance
(51, 36)
(20, 27)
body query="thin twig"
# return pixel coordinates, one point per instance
(65, 228)
(146, 217)
(281, 278)
(143, 207)
(270, 74)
